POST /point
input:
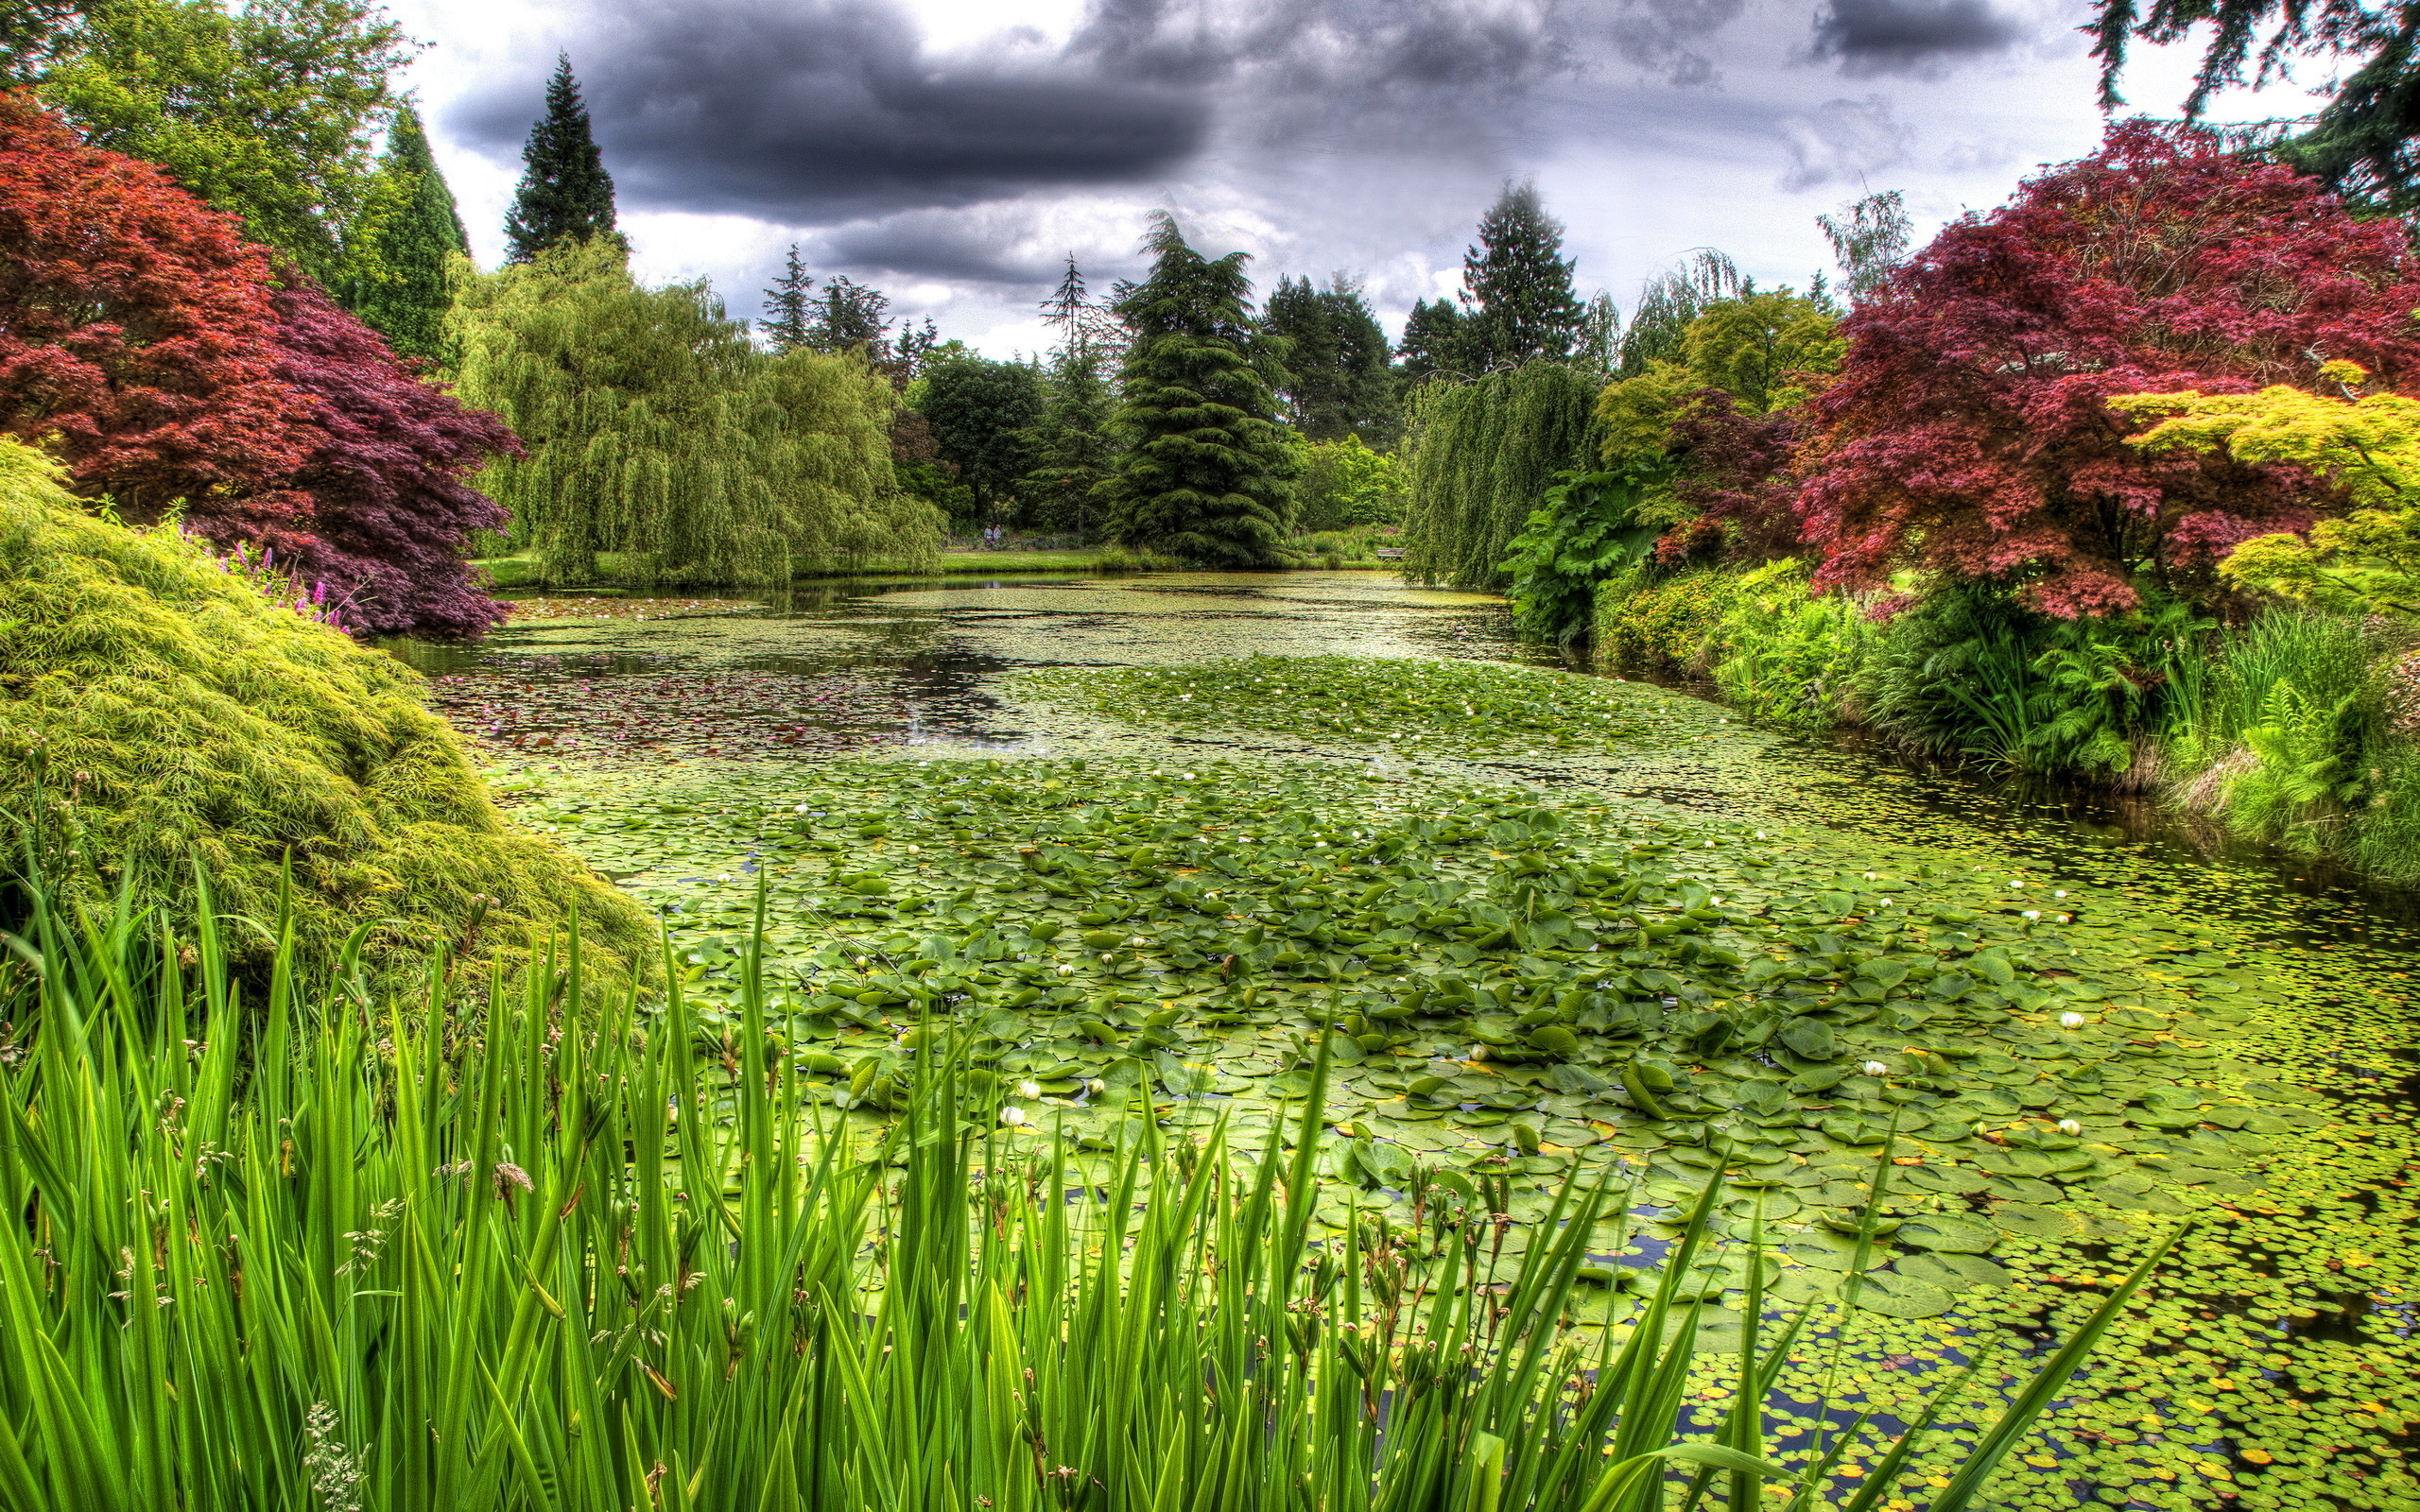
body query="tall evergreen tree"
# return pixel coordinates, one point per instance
(566, 194)
(1516, 284)
(851, 317)
(415, 249)
(1072, 445)
(1338, 382)
(787, 303)
(1205, 474)
(1436, 339)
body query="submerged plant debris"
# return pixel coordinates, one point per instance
(729, 714)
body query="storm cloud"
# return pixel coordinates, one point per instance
(1918, 38)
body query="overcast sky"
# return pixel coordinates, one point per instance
(952, 152)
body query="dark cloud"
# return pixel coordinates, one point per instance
(1911, 37)
(946, 245)
(826, 111)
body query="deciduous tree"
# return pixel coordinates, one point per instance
(1970, 432)
(982, 414)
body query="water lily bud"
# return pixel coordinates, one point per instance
(2032, 913)
(1884, 903)
(1028, 1089)
(1875, 1068)
(2068, 1125)
(1012, 1116)
(2070, 1021)
(1066, 970)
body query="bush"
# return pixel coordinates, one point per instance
(1661, 624)
(156, 712)
(1789, 657)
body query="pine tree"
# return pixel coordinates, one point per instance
(1205, 474)
(414, 251)
(787, 304)
(851, 317)
(1517, 286)
(566, 194)
(1436, 339)
(1072, 446)
(1336, 380)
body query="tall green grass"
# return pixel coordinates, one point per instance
(308, 1250)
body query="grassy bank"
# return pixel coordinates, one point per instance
(2295, 728)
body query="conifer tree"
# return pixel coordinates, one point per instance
(1337, 383)
(1072, 445)
(566, 195)
(851, 317)
(788, 304)
(1205, 474)
(1436, 339)
(1516, 284)
(416, 244)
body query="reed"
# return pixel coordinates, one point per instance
(307, 1249)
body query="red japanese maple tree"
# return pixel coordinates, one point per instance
(170, 365)
(1968, 432)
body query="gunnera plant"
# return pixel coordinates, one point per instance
(159, 715)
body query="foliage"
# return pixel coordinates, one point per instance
(1735, 490)
(147, 350)
(1789, 657)
(851, 317)
(161, 714)
(1668, 304)
(1662, 622)
(1869, 241)
(415, 248)
(2361, 144)
(1436, 339)
(566, 195)
(1479, 458)
(1516, 286)
(983, 414)
(2161, 263)
(1345, 485)
(788, 304)
(1336, 380)
(1973, 674)
(137, 339)
(1205, 474)
(267, 109)
(656, 428)
(1588, 531)
(1073, 448)
(391, 1298)
(2368, 445)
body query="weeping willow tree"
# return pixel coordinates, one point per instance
(1479, 458)
(658, 432)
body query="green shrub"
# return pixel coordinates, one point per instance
(157, 712)
(1117, 559)
(1787, 657)
(1666, 623)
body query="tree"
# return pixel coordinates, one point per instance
(418, 244)
(1970, 432)
(658, 430)
(269, 112)
(1071, 445)
(1869, 238)
(138, 344)
(1436, 339)
(1345, 485)
(1336, 380)
(1205, 474)
(1479, 458)
(2367, 562)
(851, 317)
(982, 414)
(33, 35)
(2364, 144)
(566, 194)
(381, 507)
(787, 306)
(1516, 284)
(1669, 302)
(1598, 348)
(173, 370)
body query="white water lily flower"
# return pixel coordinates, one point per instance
(1875, 1068)
(1138, 940)
(1012, 1116)
(2061, 893)
(1066, 970)
(1028, 1089)
(2032, 913)
(1884, 903)
(2068, 1125)
(801, 809)
(2070, 1021)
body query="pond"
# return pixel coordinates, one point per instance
(1549, 926)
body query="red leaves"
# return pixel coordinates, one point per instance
(1968, 432)
(146, 344)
